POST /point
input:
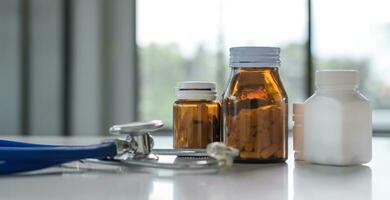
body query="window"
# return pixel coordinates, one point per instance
(355, 35)
(71, 67)
(189, 40)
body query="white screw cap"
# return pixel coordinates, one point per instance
(254, 57)
(196, 90)
(337, 77)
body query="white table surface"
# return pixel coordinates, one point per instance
(290, 180)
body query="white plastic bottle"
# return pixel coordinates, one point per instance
(337, 121)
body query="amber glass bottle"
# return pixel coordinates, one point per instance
(196, 115)
(255, 106)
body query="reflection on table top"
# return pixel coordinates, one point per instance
(290, 180)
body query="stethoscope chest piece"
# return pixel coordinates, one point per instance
(138, 142)
(137, 149)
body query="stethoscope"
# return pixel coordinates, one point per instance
(134, 149)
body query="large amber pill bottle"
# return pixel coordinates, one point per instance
(255, 106)
(196, 115)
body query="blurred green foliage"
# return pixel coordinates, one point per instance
(162, 66)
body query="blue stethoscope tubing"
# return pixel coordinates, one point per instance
(16, 157)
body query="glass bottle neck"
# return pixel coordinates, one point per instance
(236, 70)
(258, 72)
(196, 100)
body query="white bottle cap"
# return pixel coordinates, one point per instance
(337, 77)
(254, 57)
(196, 90)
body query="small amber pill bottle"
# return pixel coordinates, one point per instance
(196, 115)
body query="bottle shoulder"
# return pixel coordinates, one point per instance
(255, 85)
(354, 100)
(347, 96)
